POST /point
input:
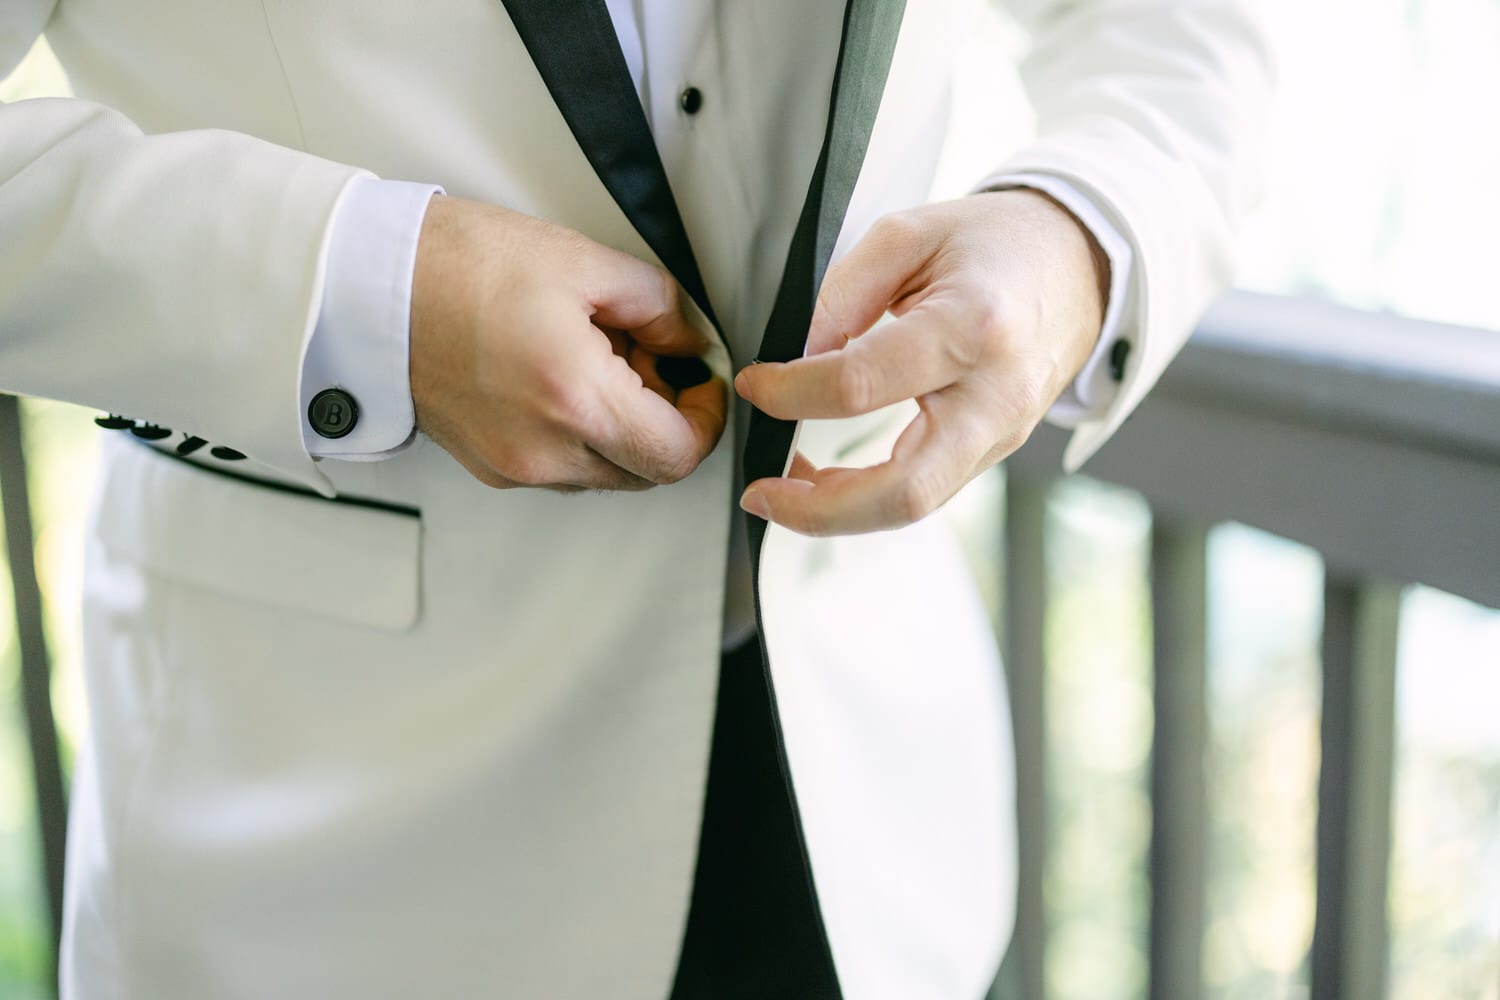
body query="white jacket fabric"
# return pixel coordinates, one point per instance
(451, 742)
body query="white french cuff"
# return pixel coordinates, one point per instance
(361, 343)
(1095, 387)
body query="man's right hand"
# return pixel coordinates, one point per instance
(533, 356)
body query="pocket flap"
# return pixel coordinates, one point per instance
(222, 533)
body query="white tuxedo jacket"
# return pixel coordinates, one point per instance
(451, 742)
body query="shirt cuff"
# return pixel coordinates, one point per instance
(361, 341)
(1098, 381)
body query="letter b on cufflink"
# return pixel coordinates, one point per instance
(332, 413)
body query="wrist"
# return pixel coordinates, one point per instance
(1098, 268)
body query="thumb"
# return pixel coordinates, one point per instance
(860, 287)
(646, 302)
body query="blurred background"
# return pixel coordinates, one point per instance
(1382, 195)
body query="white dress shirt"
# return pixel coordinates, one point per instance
(360, 343)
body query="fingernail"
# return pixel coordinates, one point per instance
(682, 373)
(754, 503)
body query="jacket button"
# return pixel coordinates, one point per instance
(151, 432)
(333, 413)
(682, 373)
(190, 444)
(691, 100)
(115, 422)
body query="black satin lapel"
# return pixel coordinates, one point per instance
(576, 51)
(870, 31)
(869, 41)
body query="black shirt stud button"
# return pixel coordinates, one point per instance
(224, 454)
(691, 100)
(332, 413)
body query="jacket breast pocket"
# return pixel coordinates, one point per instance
(352, 562)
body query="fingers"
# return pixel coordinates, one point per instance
(941, 450)
(859, 288)
(563, 471)
(926, 350)
(657, 433)
(644, 301)
(651, 429)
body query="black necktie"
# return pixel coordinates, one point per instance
(755, 931)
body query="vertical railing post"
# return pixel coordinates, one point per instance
(36, 687)
(1025, 661)
(1360, 626)
(1179, 813)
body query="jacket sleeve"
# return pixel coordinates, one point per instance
(1155, 109)
(172, 278)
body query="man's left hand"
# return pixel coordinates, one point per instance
(997, 301)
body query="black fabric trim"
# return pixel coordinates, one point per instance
(755, 929)
(869, 41)
(576, 51)
(368, 503)
(865, 52)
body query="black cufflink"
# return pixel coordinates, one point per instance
(682, 373)
(332, 413)
(1118, 352)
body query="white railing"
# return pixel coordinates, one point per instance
(1372, 438)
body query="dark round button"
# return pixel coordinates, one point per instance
(332, 413)
(115, 422)
(691, 100)
(224, 454)
(682, 373)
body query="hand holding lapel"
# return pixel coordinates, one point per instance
(534, 355)
(997, 300)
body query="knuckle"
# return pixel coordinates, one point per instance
(854, 388)
(1010, 440)
(662, 462)
(676, 468)
(965, 348)
(833, 302)
(573, 410)
(1027, 397)
(668, 296)
(917, 497)
(526, 469)
(552, 383)
(989, 313)
(896, 229)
